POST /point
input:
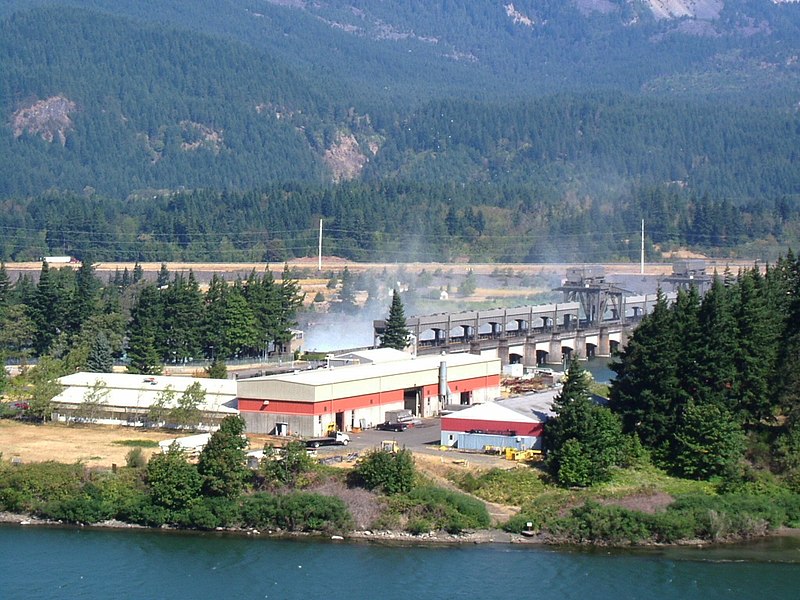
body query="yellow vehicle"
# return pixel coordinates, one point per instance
(523, 455)
(390, 446)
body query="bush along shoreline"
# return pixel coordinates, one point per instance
(288, 493)
(69, 494)
(387, 497)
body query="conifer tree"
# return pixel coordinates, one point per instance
(163, 276)
(787, 373)
(83, 302)
(100, 359)
(583, 440)
(5, 286)
(292, 298)
(718, 348)
(646, 391)
(223, 461)
(396, 334)
(45, 310)
(708, 441)
(264, 299)
(239, 325)
(689, 335)
(757, 350)
(213, 335)
(347, 294)
(182, 318)
(143, 331)
(217, 369)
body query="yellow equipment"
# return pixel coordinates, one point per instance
(522, 455)
(390, 446)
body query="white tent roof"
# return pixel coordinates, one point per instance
(140, 391)
(491, 411)
(376, 355)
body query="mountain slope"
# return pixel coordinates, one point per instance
(101, 102)
(485, 49)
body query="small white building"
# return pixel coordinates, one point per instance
(127, 399)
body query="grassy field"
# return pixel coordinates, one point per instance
(91, 445)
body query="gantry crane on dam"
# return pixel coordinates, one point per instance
(595, 317)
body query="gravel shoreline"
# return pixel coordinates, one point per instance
(484, 536)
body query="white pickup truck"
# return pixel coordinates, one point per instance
(336, 438)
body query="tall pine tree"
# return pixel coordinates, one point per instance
(396, 334)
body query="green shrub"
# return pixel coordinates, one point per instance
(505, 486)
(82, 508)
(593, 522)
(260, 511)
(392, 473)
(288, 466)
(539, 511)
(302, 511)
(438, 508)
(139, 508)
(135, 459)
(670, 527)
(137, 443)
(26, 488)
(209, 513)
(419, 525)
(173, 482)
(298, 511)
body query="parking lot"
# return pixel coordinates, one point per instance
(421, 437)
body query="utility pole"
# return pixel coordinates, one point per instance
(641, 268)
(319, 252)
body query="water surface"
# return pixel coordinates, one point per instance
(76, 563)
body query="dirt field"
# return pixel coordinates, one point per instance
(93, 446)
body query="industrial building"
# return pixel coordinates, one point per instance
(126, 399)
(491, 424)
(311, 403)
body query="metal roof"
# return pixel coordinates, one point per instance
(140, 391)
(325, 384)
(492, 411)
(376, 355)
(323, 376)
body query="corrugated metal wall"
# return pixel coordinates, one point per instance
(477, 441)
(264, 422)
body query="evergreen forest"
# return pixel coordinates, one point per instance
(77, 322)
(146, 131)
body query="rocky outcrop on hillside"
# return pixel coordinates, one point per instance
(517, 16)
(197, 136)
(707, 10)
(345, 159)
(49, 119)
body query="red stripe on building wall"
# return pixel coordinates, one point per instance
(455, 424)
(363, 401)
(474, 383)
(283, 407)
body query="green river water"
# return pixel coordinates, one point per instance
(43, 562)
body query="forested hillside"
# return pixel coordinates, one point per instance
(225, 130)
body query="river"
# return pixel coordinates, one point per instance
(43, 563)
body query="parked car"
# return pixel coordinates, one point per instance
(392, 426)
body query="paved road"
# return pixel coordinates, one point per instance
(422, 439)
(425, 435)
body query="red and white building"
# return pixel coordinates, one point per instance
(491, 424)
(310, 403)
